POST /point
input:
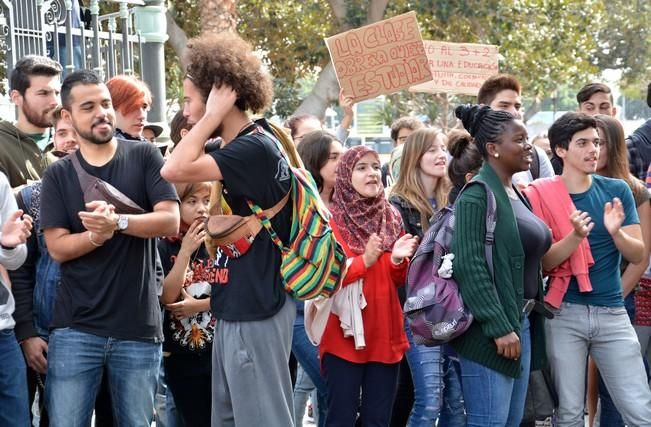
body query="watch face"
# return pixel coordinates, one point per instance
(123, 222)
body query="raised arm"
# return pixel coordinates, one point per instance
(628, 238)
(188, 162)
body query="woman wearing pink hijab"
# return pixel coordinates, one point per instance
(365, 356)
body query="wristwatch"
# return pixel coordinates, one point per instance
(123, 223)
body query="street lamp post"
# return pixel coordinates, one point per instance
(151, 24)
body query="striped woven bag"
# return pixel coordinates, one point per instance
(313, 262)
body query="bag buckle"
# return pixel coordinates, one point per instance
(537, 306)
(528, 306)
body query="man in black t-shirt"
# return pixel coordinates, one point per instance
(252, 343)
(106, 315)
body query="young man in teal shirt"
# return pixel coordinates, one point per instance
(595, 322)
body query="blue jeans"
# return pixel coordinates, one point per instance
(492, 398)
(606, 334)
(14, 403)
(302, 391)
(308, 356)
(609, 415)
(437, 386)
(75, 363)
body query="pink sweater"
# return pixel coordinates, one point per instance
(551, 202)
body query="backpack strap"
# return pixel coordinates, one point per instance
(491, 222)
(85, 179)
(24, 198)
(264, 216)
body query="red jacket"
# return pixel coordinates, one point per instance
(551, 202)
(386, 341)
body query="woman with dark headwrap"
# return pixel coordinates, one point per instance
(365, 355)
(506, 339)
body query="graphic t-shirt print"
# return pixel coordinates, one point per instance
(196, 331)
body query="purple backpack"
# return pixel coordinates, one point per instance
(434, 308)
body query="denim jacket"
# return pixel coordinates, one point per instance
(35, 283)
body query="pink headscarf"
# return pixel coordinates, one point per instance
(356, 216)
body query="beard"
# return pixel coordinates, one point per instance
(41, 119)
(96, 138)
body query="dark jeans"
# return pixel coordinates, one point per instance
(189, 378)
(36, 381)
(377, 382)
(404, 400)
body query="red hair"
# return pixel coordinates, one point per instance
(128, 93)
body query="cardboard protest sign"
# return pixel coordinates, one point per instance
(459, 68)
(380, 58)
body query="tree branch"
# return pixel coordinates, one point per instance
(177, 37)
(325, 90)
(339, 11)
(376, 11)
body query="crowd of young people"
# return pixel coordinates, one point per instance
(118, 296)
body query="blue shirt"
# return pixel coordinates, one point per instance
(605, 275)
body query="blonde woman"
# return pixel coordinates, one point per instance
(420, 191)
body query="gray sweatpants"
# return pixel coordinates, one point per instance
(251, 385)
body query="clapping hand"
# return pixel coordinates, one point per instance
(16, 229)
(614, 216)
(582, 223)
(101, 221)
(403, 248)
(372, 251)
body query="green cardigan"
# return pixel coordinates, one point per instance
(496, 306)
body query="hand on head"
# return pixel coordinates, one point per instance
(220, 101)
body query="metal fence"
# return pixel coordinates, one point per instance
(74, 36)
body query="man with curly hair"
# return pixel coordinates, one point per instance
(252, 341)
